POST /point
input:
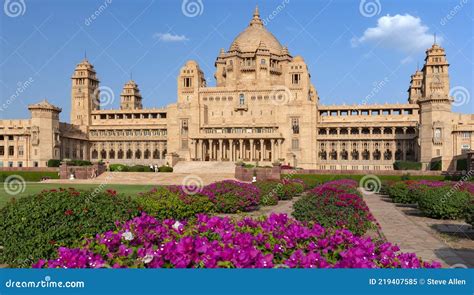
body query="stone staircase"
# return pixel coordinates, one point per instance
(203, 167)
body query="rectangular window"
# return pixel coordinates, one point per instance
(295, 125)
(10, 137)
(10, 164)
(20, 164)
(35, 164)
(295, 79)
(11, 150)
(20, 150)
(187, 82)
(2, 150)
(295, 144)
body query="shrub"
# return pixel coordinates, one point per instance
(461, 164)
(435, 166)
(33, 227)
(163, 204)
(53, 163)
(470, 213)
(216, 242)
(335, 204)
(165, 169)
(231, 196)
(118, 168)
(78, 163)
(139, 168)
(444, 203)
(32, 176)
(268, 196)
(406, 176)
(406, 165)
(400, 193)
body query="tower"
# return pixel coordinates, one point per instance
(435, 109)
(45, 135)
(414, 91)
(130, 98)
(84, 93)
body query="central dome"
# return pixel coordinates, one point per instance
(255, 34)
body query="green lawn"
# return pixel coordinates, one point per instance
(34, 187)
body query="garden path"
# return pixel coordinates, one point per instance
(413, 236)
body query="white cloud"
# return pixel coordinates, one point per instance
(167, 37)
(401, 32)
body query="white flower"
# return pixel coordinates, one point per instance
(176, 225)
(147, 258)
(128, 236)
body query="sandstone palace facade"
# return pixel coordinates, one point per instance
(263, 108)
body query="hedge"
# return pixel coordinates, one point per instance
(461, 164)
(34, 227)
(53, 163)
(435, 166)
(31, 176)
(406, 165)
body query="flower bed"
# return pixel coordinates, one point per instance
(215, 242)
(228, 196)
(271, 191)
(436, 199)
(34, 227)
(336, 204)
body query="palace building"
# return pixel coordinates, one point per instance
(263, 109)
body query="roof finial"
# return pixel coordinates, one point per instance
(256, 18)
(256, 13)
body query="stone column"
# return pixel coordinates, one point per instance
(252, 151)
(404, 150)
(241, 149)
(272, 150)
(220, 150)
(231, 150)
(262, 150)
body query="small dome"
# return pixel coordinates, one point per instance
(250, 39)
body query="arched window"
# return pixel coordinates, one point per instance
(120, 154)
(138, 154)
(95, 154)
(156, 154)
(146, 155)
(111, 154)
(129, 154)
(103, 154)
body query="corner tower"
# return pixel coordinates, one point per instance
(130, 98)
(84, 93)
(435, 109)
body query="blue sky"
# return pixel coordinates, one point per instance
(351, 47)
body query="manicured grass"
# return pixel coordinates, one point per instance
(33, 188)
(314, 179)
(29, 175)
